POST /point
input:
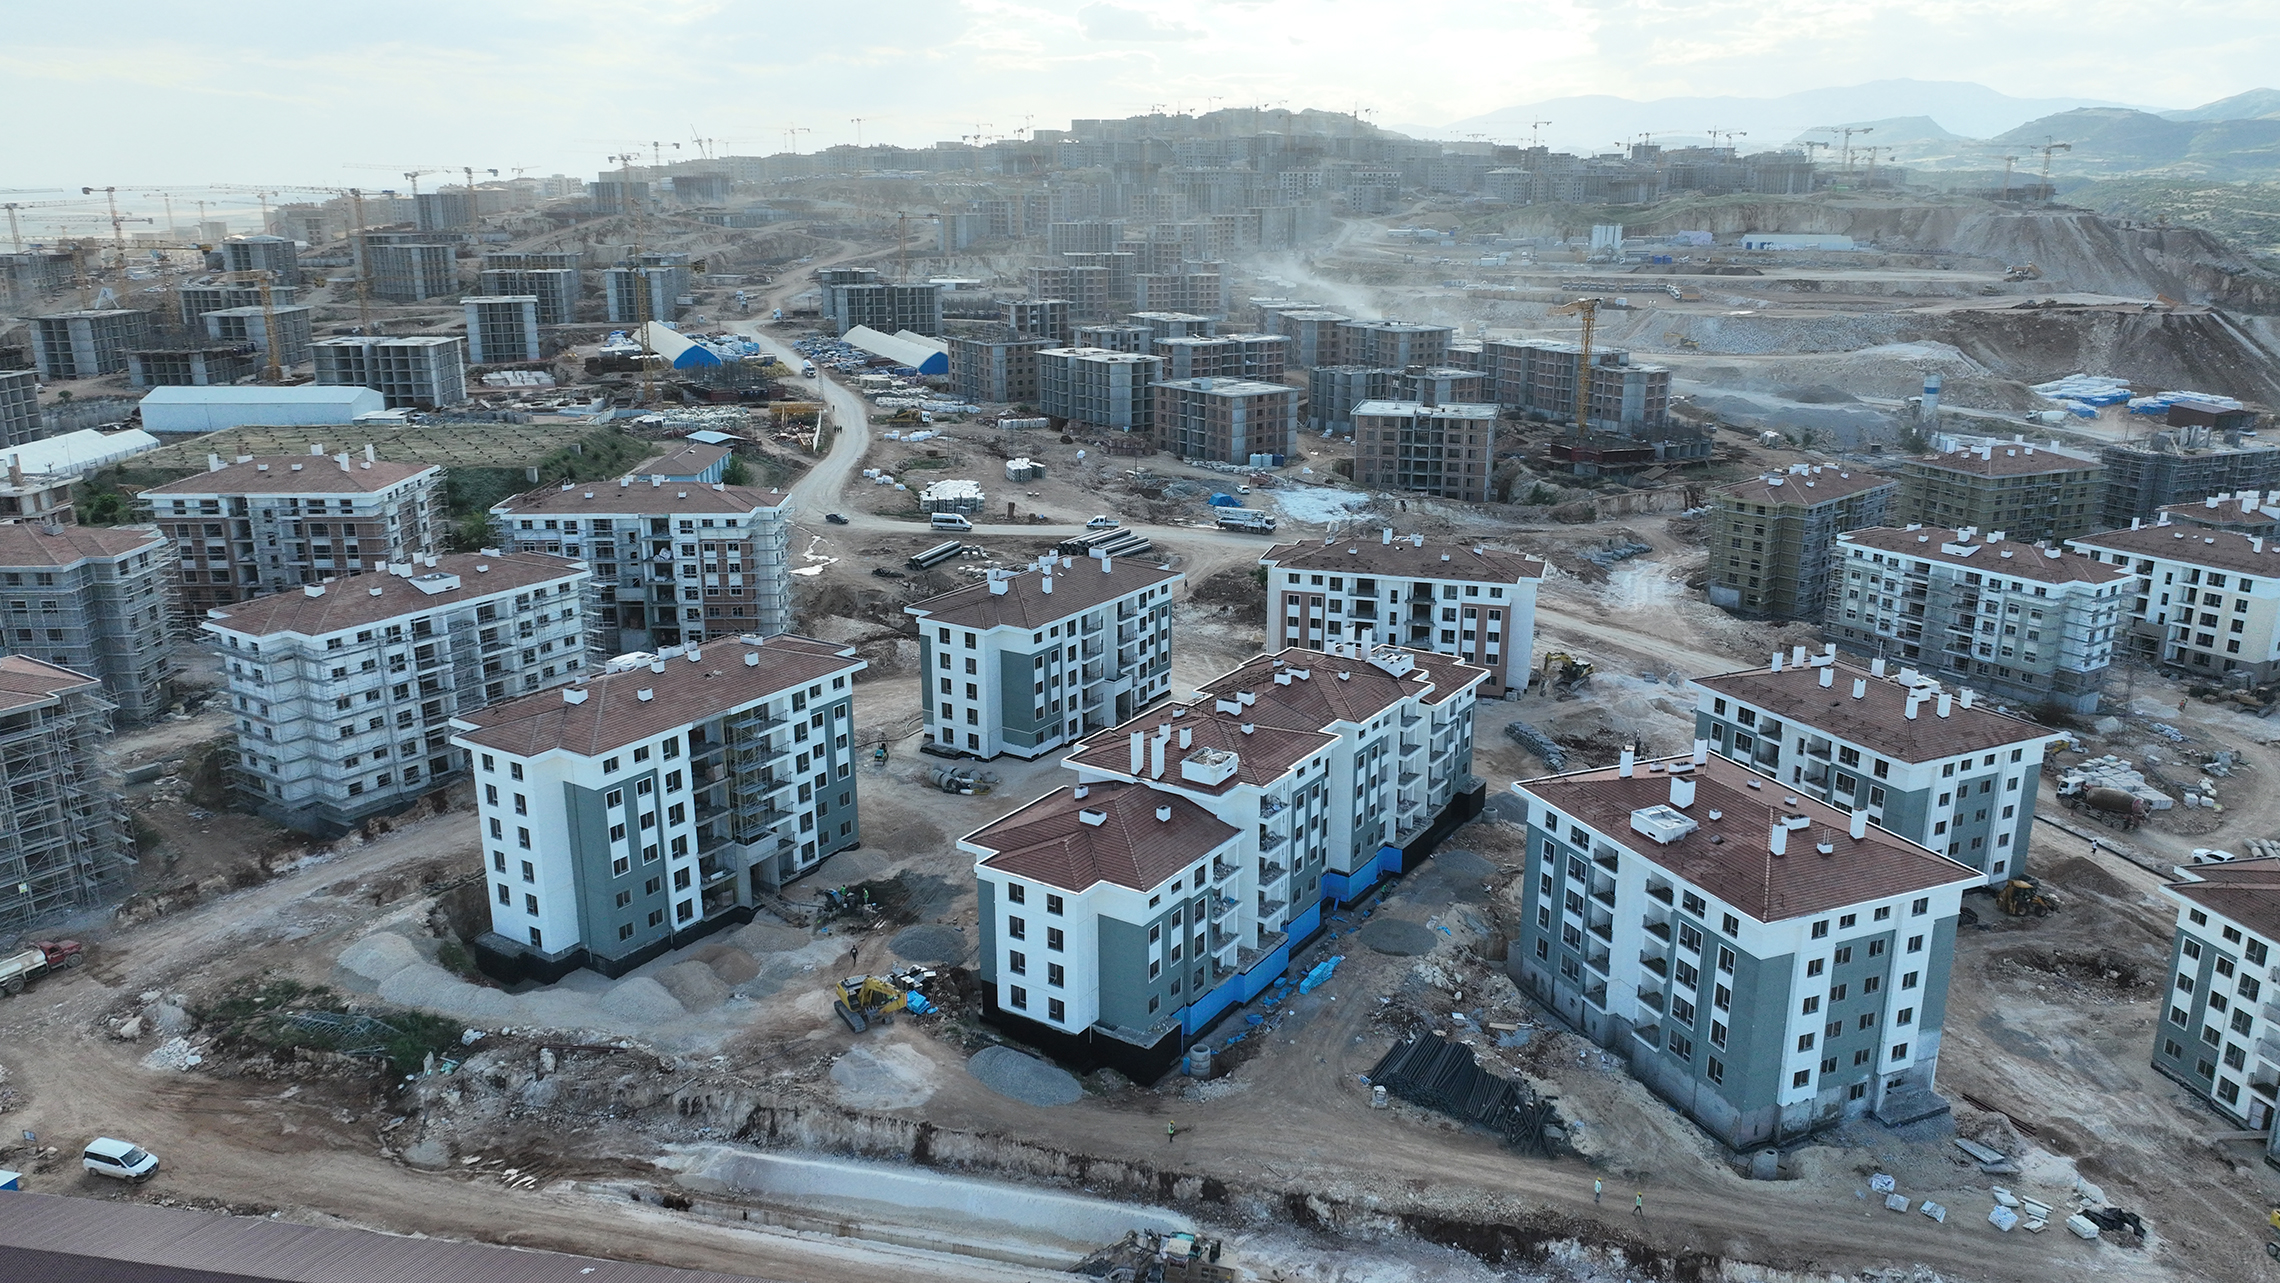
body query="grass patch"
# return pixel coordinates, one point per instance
(276, 1015)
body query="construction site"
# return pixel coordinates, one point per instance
(823, 1091)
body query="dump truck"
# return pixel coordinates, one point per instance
(1250, 519)
(20, 969)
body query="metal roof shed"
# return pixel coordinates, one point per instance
(179, 410)
(679, 350)
(925, 355)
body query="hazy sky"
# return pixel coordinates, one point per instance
(143, 94)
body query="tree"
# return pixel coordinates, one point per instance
(736, 473)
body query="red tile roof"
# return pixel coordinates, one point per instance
(1079, 584)
(25, 681)
(363, 599)
(1879, 718)
(2010, 558)
(1263, 754)
(2247, 891)
(1370, 554)
(2208, 546)
(2017, 460)
(1143, 840)
(24, 543)
(298, 474)
(1323, 697)
(1731, 858)
(609, 499)
(1804, 489)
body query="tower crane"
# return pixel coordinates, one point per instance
(1535, 138)
(15, 233)
(1847, 131)
(2050, 145)
(412, 173)
(1588, 309)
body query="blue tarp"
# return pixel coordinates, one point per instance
(1321, 973)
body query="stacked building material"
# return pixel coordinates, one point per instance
(1443, 1076)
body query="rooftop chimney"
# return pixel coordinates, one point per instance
(1163, 815)
(1045, 584)
(573, 695)
(1777, 661)
(1187, 737)
(1946, 702)
(1156, 752)
(1913, 700)
(1860, 688)
(1777, 834)
(1139, 751)
(1682, 791)
(645, 694)
(1797, 656)
(752, 659)
(1701, 752)
(1388, 537)
(1968, 697)
(1876, 666)
(1859, 826)
(997, 586)
(1629, 763)
(1828, 677)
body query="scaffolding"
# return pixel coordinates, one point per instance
(63, 849)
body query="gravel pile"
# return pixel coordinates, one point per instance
(931, 943)
(733, 965)
(692, 984)
(1024, 1078)
(891, 1077)
(768, 937)
(1401, 939)
(641, 998)
(849, 867)
(378, 956)
(174, 1054)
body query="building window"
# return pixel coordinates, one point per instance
(1056, 975)
(1017, 998)
(1801, 1078)
(1056, 1010)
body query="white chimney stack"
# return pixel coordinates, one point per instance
(1629, 763)
(1876, 666)
(1859, 825)
(1701, 752)
(1913, 700)
(1945, 704)
(1828, 677)
(1045, 584)
(1860, 688)
(1776, 661)
(1777, 836)
(1797, 655)
(1968, 697)
(1156, 752)
(1187, 737)
(1682, 791)
(1139, 751)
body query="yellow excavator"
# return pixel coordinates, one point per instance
(2020, 897)
(860, 1000)
(1562, 673)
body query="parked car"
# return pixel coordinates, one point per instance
(1102, 523)
(2212, 855)
(123, 1159)
(835, 519)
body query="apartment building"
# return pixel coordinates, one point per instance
(1031, 660)
(1392, 344)
(195, 301)
(267, 524)
(2029, 491)
(1771, 538)
(1459, 600)
(2218, 1039)
(65, 847)
(1444, 450)
(658, 799)
(1037, 318)
(87, 344)
(674, 564)
(276, 255)
(94, 600)
(853, 296)
(997, 371)
(1173, 323)
(2025, 622)
(1332, 392)
(1767, 964)
(1542, 377)
(2251, 512)
(409, 271)
(2181, 465)
(1114, 338)
(19, 407)
(412, 371)
(501, 328)
(2207, 599)
(251, 326)
(1084, 289)
(1099, 389)
(1183, 291)
(556, 289)
(1316, 336)
(1927, 763)
(1125, 914)
(344, 692)
(1225, 420)
(651, 290)
(191, 367)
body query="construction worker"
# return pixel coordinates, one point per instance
(1171, 1129)
(1639, 1204)
(1598, 1187)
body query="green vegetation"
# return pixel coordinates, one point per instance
(276, 1014)
(736, 472)
(2247, 214)
(469, 492)
(100, 502)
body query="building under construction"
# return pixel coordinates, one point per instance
(92, 599)
(424, 371)
(2181, 465)
(63, 849)
(86, 344)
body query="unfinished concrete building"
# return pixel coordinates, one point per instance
(1097, 388)
(1225, 420)
(853, 296)
(191, 367)
(87, 344)
(674, 563)
(1038, 318)
(93, 599)
(1443, 450)
(1316, 338)
(344, 691)
(272, 254)
(415, 371)
(2024, 491)
(197, 300)
(1002, 371)
(1393, 344)
(250, 325)
(445, 211)
(1084, 289)
(65, 848)
(2181, 465)
(406, 272)
(19, 406)
(1185, 291)
(1113, 338)
(637, 295)
(268, 524)
(501, 328)
(1332, 392)
(556, 290)
(1772, 538)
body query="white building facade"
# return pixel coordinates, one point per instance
(1462, 600)
(653, 802)
(343, 693)
(2207, 600)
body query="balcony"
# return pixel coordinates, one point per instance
(1269, 909)
(1605, 858)
(1223, 906)
(1660, 891)
(1221, 870)
(1604, 928)
(1270, 873)
(1648, 1034)
(1271, 842)
(757, 721)
(1269, 807)
(1656, 963)
(1596, 994)
(1659, 929)
(1651, 998)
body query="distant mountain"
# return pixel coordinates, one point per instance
(2256, 104)
(1593, 122)
(2110, 140)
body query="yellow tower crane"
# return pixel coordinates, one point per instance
(1588, 309)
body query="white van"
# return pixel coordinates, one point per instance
(951, 521)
